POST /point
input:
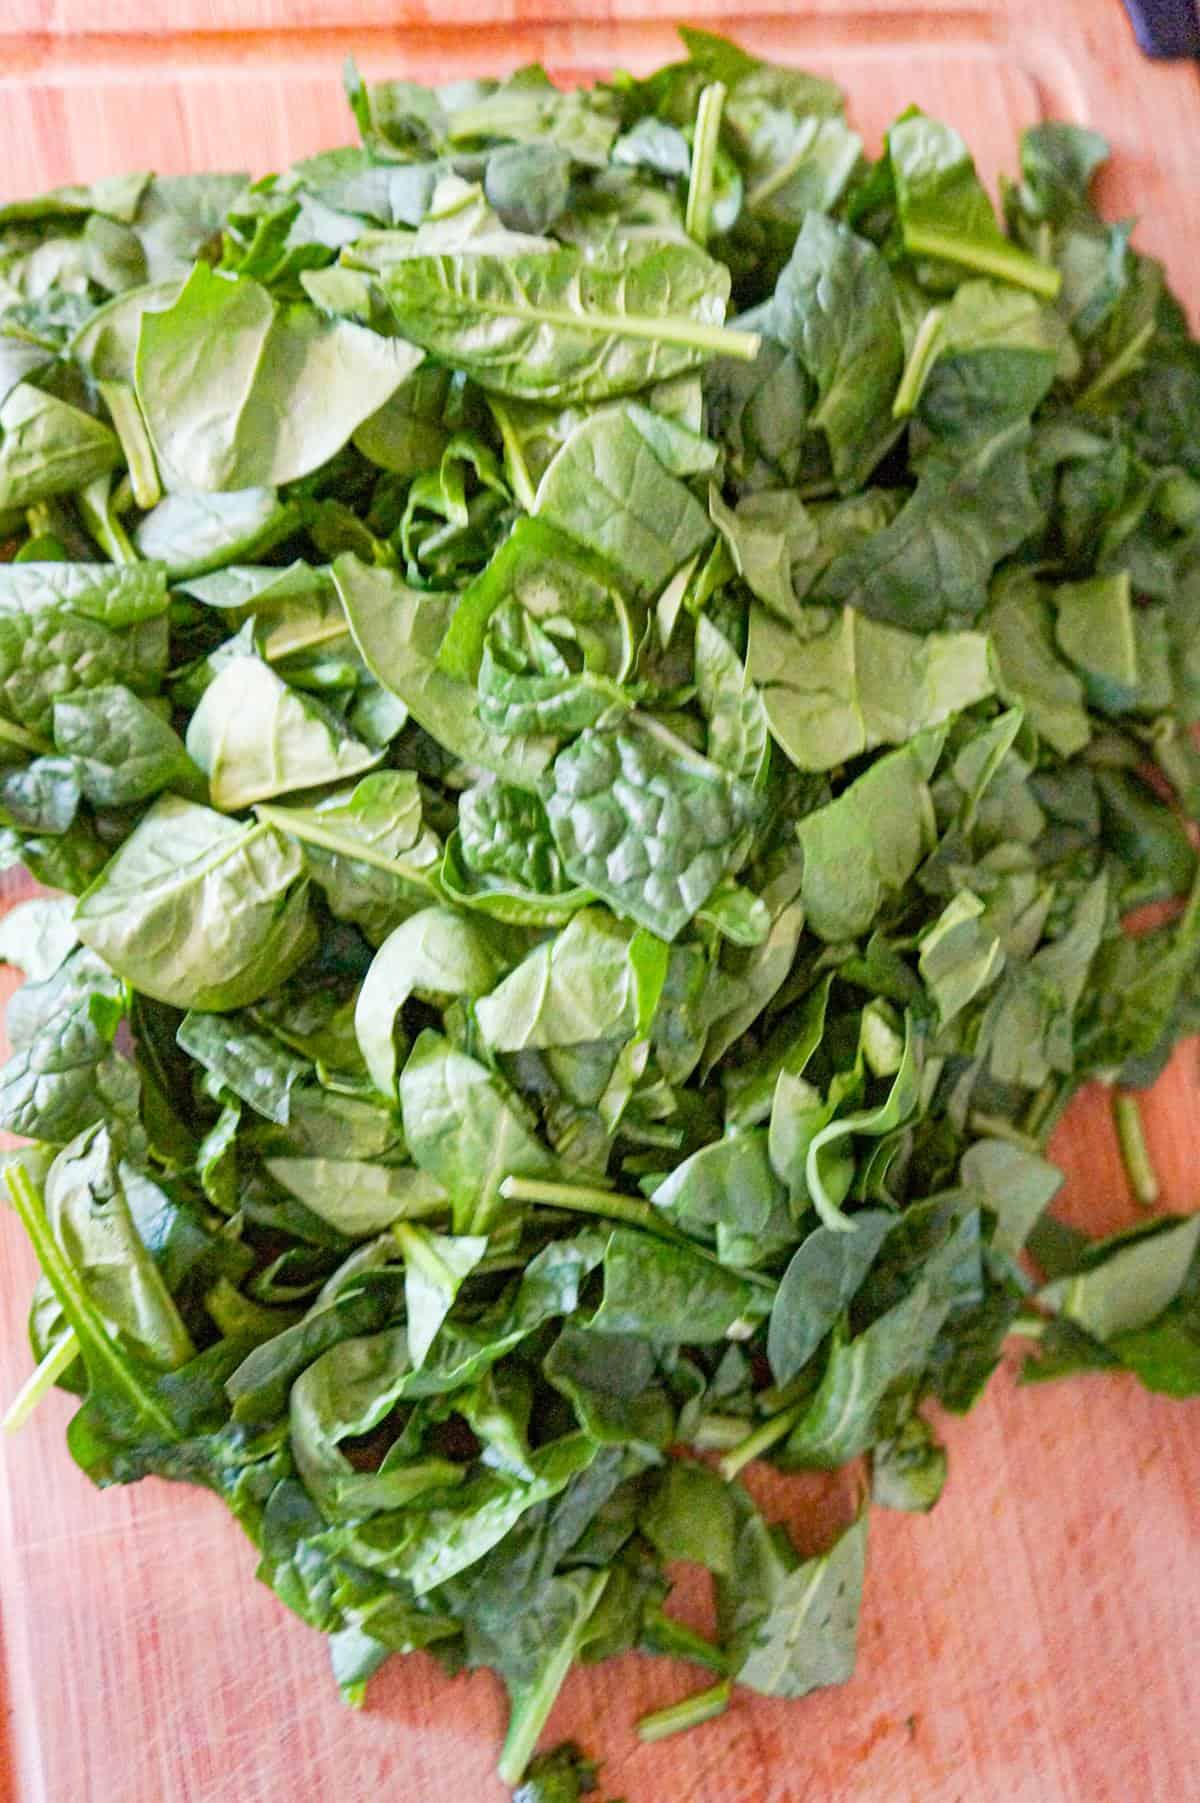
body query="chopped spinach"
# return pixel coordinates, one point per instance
(598, 672)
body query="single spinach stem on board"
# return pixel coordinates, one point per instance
(1135, 1153)
(64, 1352)
(693, 1710)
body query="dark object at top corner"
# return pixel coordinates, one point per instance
(1168, 28)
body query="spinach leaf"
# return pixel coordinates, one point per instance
(1129, 1287)
(122, 749)
(557, 583)
(835, 307)
(850, 1406)
(561, 1630)
(1030, 672)
(1015, 1184)
(799, 163)
(501, 860)
(62, 1074)
(91, 1196)
(672, 1295)
(1058, 163)
(990, 352)
(66, 627)
(737, 714)
(931, 566)
(860, 684)
(36, 936)
(549, 324)
(367, 848)
(793, 1627)
(255, 1067)
(820, 1282)
(434, 953)
(399, 632)
(1094, 629)
(435, 1266)
(894, 1111)
(646, 824)
(866, 845)
(944, 212)
(561, 1776)
(1165, 1354)
(198, 910)
(467, 1129)
(728, 1185)
(357, 1196)
(256, 737)
(48, 447)
(528, 748)
(193, 534)
(574, 988)
(908, 1471)
(527, 683)
(765, 969)
(607, 489)
(240, 394)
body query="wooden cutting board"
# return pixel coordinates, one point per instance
(1032, 1641)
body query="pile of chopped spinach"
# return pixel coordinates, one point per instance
(604, 671)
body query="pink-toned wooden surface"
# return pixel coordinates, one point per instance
(1033, 1641)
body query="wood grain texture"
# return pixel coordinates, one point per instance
(1034, 1640)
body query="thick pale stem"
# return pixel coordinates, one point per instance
(102, 522)
(920, 362)
(421, 1255)
(719, 1433)
(26, 740)
(130, 428)
(1040, 1109)
(1005, 261)
(663, 1634)
(64, 1352)
(285, 820)
(995, 1126)
(73, 1300)
(761, 1440)
(579, 1198)
(1127, 359)
(698, 214)
(693, 1710)
(514, 458)
(1135, 1153)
